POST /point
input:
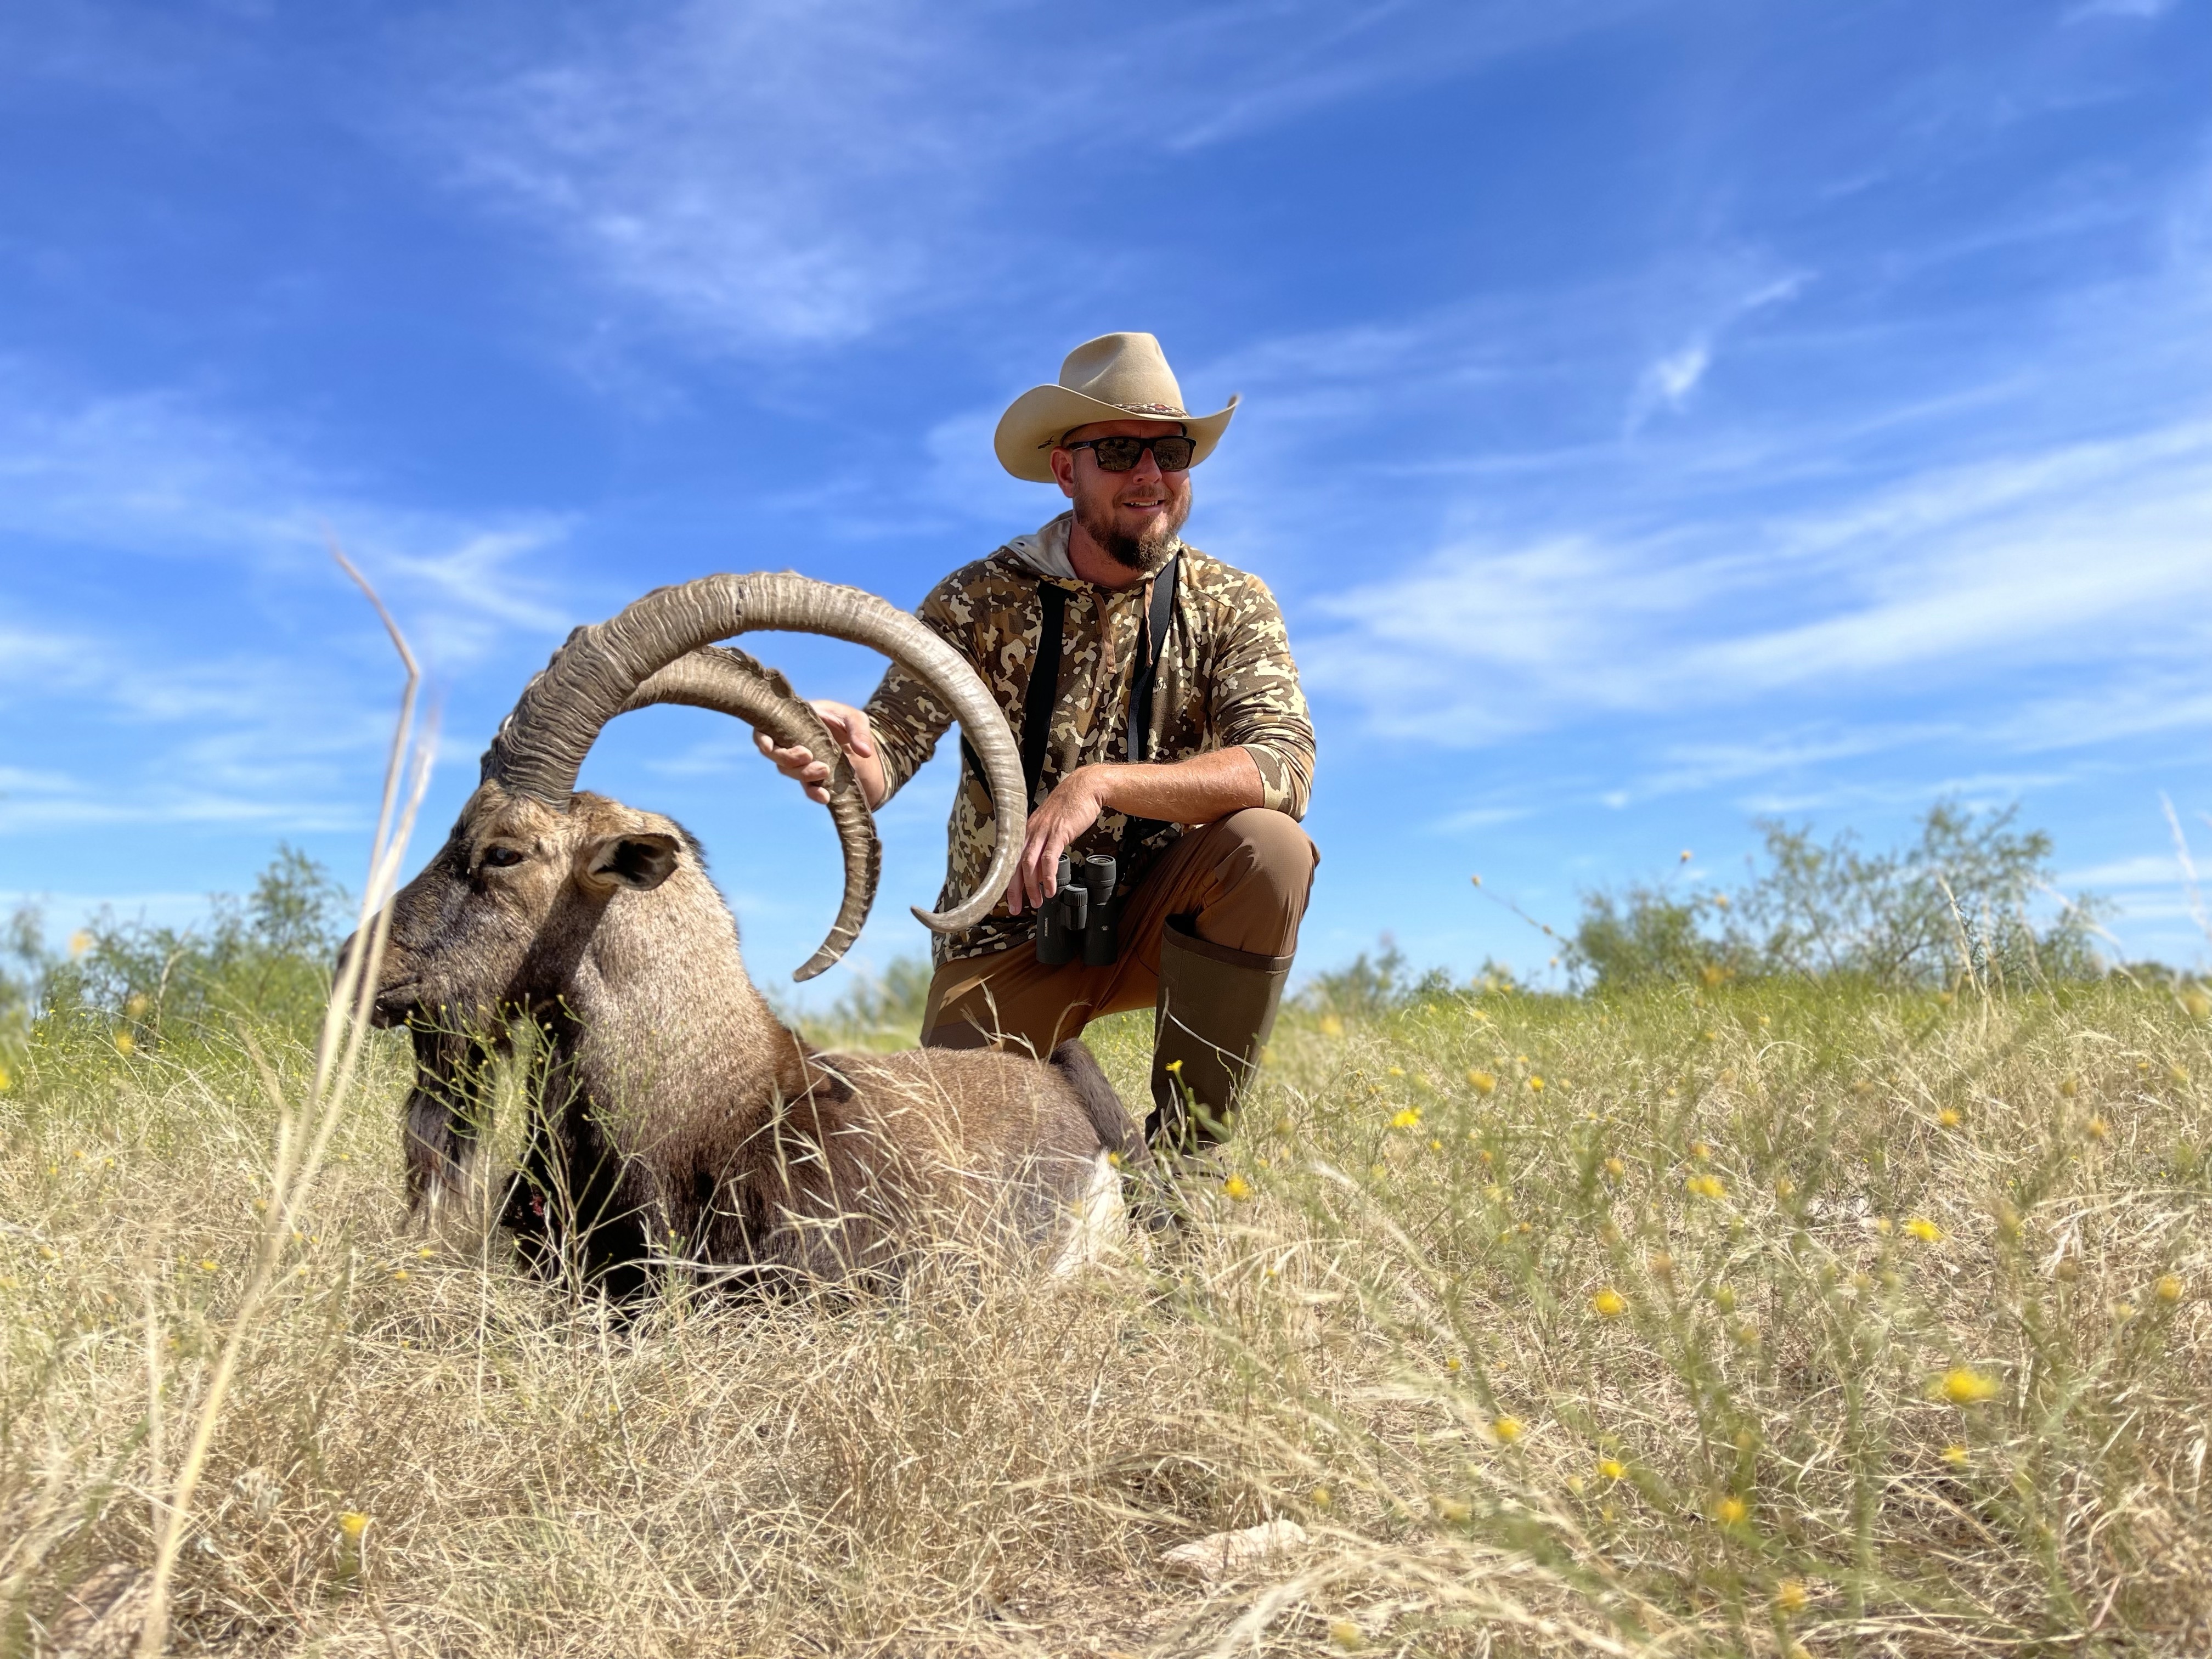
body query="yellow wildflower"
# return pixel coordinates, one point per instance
(2096, 1128)
(353, 1523)
(1785, 1187)
(1963, 1386)
(208, 1264)
(400, 1272)
(1323, 1498)
(1409, 1119)
(1482, 1082)
(1701, 1149)
(1508, 1429)
(1451, 1509)
(1452, 1364)
(1923, 1230)
(1612, 1469)
(1790, 1596)
(5, 1077)
(1884, 1225)
(1616, 1168)
(1238, 1188)
(1609, 1303)
(1435, 1146)
(1347, 1636)
(2069, 1086)
(79, 943)
(1730, 1511)
(1949, 1117)
(1724, 1298)
(2169, 1288)
(125, 1043)
(1397, 1071)
(2178, 1076)
(1537, 1084)
(2196, 1002)
(1956, 1456)
(1706, 1186)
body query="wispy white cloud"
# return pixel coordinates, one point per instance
(163, 474)
(1668, 380)
(2141, 10)
(2047, 557)
(781, 174)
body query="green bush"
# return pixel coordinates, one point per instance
(267, 954)
(1954, 904)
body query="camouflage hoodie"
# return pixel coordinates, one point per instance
(1225, 680)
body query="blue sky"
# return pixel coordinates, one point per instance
(1655, 416)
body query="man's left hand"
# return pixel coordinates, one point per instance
(1071, 808)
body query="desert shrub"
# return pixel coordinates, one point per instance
(1957, 903)
(266, 955)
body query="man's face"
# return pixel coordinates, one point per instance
(1134, 516)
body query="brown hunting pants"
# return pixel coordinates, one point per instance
(1244, 882)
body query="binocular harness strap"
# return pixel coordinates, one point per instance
(1044, 679)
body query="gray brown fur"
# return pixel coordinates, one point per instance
(679, 1117)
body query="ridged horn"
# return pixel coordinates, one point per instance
(542, 743)
(730, 682)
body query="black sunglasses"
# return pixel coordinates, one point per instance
(1173, 454)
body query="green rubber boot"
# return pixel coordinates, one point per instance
(1215, 1013)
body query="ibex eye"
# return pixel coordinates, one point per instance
(499, 858)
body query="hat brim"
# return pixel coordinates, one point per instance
(1034, 422)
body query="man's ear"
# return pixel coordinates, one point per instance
(642, 861)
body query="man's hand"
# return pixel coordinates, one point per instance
(850, 727)
(1071, 808)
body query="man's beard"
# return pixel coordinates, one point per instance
(1144, 554)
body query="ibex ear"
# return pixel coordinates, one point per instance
(642, 861)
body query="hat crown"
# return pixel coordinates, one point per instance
(1129, 371)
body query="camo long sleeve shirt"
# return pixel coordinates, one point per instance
(1225, 679)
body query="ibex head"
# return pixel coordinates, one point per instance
(496, 919)
(531, 866)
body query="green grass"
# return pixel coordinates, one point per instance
(1778, 1316)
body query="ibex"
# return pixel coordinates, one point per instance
(678, 1119)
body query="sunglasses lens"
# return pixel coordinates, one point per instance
(1119, 454)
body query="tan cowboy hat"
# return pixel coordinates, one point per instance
(1115, 377)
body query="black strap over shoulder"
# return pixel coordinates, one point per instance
(1044, 684)
(1044, 677)
(1044, 691)
(1149, 648)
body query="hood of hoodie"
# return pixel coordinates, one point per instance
(1045, 551)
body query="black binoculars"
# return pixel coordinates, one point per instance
(1081, 915)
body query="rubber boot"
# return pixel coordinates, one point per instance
(1215, 1013)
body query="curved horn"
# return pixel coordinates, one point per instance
(542, 743)
(730, 682)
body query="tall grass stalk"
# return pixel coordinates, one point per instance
(304, 1130)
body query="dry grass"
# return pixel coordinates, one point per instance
(1653, 1356)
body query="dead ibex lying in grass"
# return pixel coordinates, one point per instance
(677, 1118)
